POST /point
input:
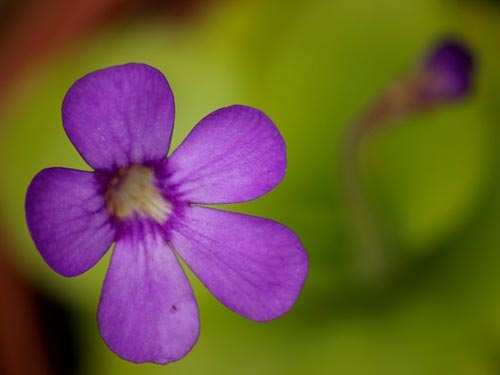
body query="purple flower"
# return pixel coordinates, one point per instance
(120, 120)
(447, 72)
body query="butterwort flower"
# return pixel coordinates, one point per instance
(445, 75)
(120, 120)
(446, 72)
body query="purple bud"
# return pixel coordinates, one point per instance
(446, 73)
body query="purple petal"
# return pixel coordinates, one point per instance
(147, 311)
(235, 154)
(68, 220)
(254, 266)
(120, 116)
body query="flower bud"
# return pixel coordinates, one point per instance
(446, 73)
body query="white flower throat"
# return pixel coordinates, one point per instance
(132, 191)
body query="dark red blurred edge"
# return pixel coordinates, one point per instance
(34, 30)
(31, 32)
(21, 349)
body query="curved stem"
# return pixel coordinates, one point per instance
(372, 262)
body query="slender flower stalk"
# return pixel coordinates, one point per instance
(444, 76)
(373, 259)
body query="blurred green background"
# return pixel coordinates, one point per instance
(312, 66)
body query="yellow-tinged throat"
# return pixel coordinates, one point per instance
(132, 191)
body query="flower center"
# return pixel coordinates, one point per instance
(132, 191)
